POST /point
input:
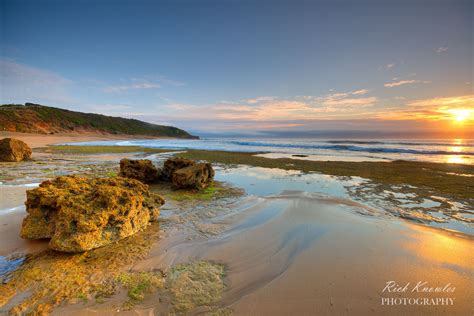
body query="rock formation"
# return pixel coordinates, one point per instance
(12, 150)
(142, 170)
(173, 164)
(80, 214)
(197, 176)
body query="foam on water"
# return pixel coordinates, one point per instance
(453, 151)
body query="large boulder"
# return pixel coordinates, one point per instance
(173, 164)
(197, 176)
(13, 150)
(142, 170)
(80, 214)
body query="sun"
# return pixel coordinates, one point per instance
(461, 115)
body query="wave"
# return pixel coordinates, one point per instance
(352, 148)
(363, 142)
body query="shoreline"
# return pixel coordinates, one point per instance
(457, 180)
(42, 140)
(299, 241)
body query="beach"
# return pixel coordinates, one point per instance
(292, 236)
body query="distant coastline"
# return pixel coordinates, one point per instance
(39, 119)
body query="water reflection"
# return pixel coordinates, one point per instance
(457, 159)
(456, 149)
(403, 200)
(423, 237)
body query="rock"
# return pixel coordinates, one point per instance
(13, 150)
(80, 214)
(197, 176)
(173, 164)
(142, 170)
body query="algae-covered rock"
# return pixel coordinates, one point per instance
(80, 214)
(12, 150)
(173, 164)
(142, 169)
(197, 176)
(195, 284)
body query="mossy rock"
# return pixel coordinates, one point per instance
(173, 164)
(13, 150)
(141, 169)
(198, 176)
(80, 214)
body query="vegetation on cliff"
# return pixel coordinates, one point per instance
(39, 119)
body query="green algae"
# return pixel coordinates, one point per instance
(194, 284)
(54, 278)
(206, 194)
(100, 149)
(439, 178)
(140, 283)
(218, 190)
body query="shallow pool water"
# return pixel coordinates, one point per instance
(398, 201)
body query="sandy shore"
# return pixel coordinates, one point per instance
(297, 254)
(313, 255)
(296, 245)
(40, 140)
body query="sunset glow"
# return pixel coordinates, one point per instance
(306, 88)
(461, 114)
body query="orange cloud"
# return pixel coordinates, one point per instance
(458, 108)
(271, 108)
(404, 82)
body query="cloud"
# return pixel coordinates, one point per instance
(145, 82)
(432, 109)
(258, 99)
(362, 91)
(390, 66)
(272, 109)
(21, 83)
(350, 102)
(123, 88)
(442, 49)
(334, 111)
(344, 100)
(445, 102)
(404, 82)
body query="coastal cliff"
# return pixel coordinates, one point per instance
(39, 119)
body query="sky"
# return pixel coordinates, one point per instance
(278, 68)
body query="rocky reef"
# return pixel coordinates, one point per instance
(80, 214)
(198, 176)
(142, 169)
(173, 164)
(13, 150)
(181, 172)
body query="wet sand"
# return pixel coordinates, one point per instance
(296, 254)
(291, 252)
(40, 140)
(300, 254)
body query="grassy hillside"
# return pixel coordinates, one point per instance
(39, 119)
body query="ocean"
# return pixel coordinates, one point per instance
(446, 150)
